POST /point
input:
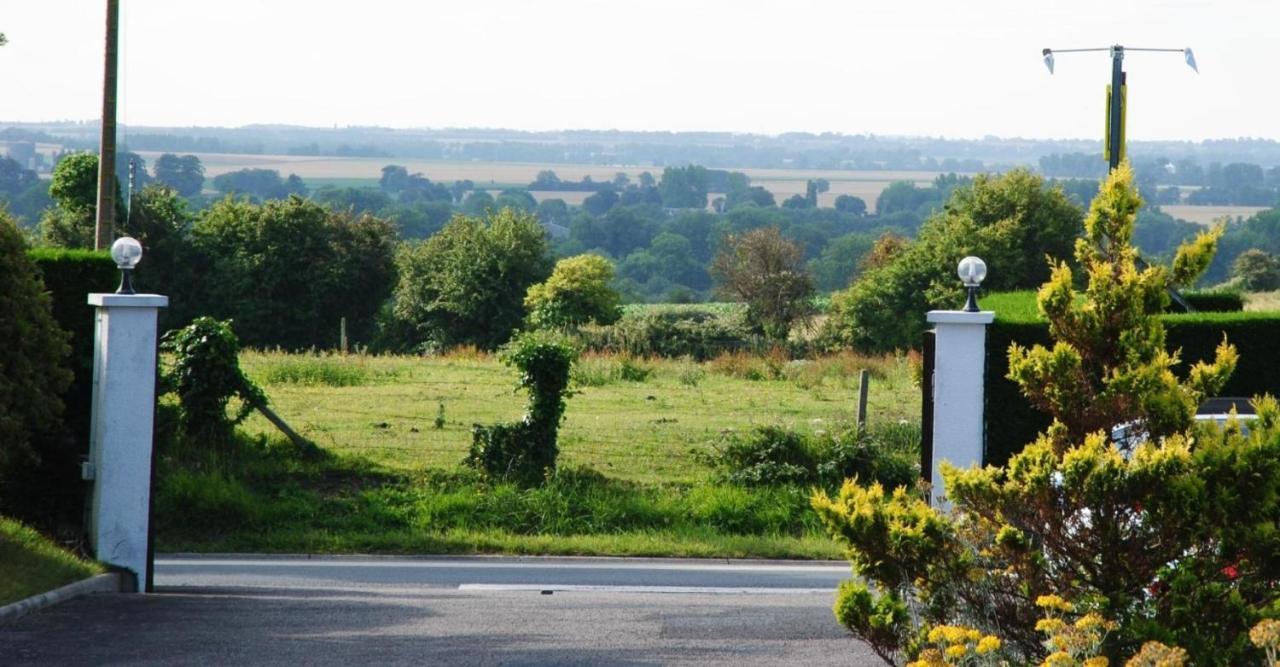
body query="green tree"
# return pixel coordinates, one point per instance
(289, 270)
(1012, 221)
(184, 174)
(577, 293)
(75, 182)
(159, 220)
(516, 198)
(74, 190)
(767, 272)
(1256, 271)
(32, 375)
(467, 283)
(478, 203)
(851, 204)
(684, 187)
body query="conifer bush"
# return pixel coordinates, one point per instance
(32, 357)
(1173, 537)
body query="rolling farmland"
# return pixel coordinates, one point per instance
(319, 171)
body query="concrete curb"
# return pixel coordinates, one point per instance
(102, 583)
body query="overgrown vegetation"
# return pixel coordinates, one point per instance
(525, 452)
(205, 374)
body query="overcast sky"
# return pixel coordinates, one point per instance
(939, 67)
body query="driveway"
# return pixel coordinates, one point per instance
(465, 611)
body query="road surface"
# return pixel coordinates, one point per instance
(446, 611)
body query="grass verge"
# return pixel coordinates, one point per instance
(32, 564)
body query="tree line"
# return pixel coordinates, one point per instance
(661, 234)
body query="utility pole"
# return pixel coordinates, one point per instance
(104, 227)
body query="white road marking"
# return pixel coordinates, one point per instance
(712, 590)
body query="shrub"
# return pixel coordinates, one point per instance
(206, 375)
(700, 332)
(525, 452)
(1173, 538)
(774, 455)
(467, 284)
(577, 292)
(32, 357)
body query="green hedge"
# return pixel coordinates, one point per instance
(1215, 301)
(69, 276)
(1011, 423)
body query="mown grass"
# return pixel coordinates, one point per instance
(631, 419)
(634, 477)
(31, 564)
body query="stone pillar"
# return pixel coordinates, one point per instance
(959, 369)
(122, 429)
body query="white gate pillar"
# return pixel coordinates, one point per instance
(122, 428)
(958, 375)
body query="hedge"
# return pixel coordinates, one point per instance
(1011, 423)
(1215, 301)
(69, 276)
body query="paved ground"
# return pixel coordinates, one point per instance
(449, 611)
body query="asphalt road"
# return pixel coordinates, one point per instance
(446, 611)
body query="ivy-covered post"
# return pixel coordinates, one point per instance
(121, 434)
(959, 367)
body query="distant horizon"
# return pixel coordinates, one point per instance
(941, 137)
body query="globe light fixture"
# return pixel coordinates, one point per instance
(972, 272)
(126, 252)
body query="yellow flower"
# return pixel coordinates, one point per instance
(1265, 633)
(1098, 661)
(1091, 621)
(1059, 659)
(988, 644)
(930, 657)
(956, 651)
(1053, 602)
(1049, 625)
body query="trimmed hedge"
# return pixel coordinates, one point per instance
(1011, 423)
(1215, 301)
(55, 488)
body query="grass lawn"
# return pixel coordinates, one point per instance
(386, 408)
(633, 477)
(32, 564)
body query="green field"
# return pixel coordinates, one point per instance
(635, 475)
(637, 431)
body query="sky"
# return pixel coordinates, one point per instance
(956, 69)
